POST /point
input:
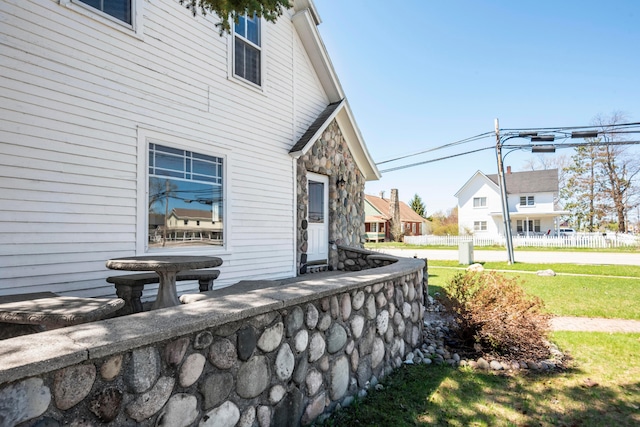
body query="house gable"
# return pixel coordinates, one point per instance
(306, 20)
(473, 181)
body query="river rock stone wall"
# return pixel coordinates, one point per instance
(330, 156)
(285, 367)
(356, 259)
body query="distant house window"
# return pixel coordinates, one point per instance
(198, 223)
(480, 226)
(479, 202)
(530, 226)
(119, 9)
(247, 49)
(527, 201)
(184, 183)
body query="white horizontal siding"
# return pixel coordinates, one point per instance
(468, 214)
(310, 98)
(74, 94)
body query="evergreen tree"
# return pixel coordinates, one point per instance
(417, 206)
(580, 194)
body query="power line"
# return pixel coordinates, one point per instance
(437, 160)
(451, 144)
(561, 130)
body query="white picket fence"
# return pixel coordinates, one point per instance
(580, 240)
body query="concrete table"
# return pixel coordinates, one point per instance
(167, 267)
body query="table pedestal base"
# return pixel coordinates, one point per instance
(167, 294)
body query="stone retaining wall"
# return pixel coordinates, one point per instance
(272, 356)
(355, 259)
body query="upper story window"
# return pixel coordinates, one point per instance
(119, 9)
(527, 201)
(247, 50)
(479, 202)
(184, 183)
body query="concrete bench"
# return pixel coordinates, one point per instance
(22, 314)
(129, 287)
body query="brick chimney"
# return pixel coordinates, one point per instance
(394, 214)
(508, 170)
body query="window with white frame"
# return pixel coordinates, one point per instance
(527, 201)
(247, 49)
(479, 225)
(119, 9)
(479, 202)
(184, 185)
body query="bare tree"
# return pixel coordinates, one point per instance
(619, 167)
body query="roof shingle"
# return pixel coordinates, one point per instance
(530, 181)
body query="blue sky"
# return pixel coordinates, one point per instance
(419, 74)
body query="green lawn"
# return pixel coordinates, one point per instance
(583, 295)
(602, 270)
(600, 388)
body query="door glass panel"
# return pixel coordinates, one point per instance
(316, 202)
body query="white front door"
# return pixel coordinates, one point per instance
(318, 218)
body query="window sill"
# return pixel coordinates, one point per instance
(133, 29)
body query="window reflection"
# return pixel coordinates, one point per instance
(316, 202)
(185, 198)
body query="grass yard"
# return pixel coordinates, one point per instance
(601, 387)
(598, 270)
(585, 291)
(601, 390)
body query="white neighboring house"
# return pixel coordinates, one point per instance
(531, 202)
(116, 113)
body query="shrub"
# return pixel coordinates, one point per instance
(496, 316)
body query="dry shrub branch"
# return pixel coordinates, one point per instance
(496, 316)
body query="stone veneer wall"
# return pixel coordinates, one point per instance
(330, 156)
(274, 356)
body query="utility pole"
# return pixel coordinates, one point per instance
(503, 194)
